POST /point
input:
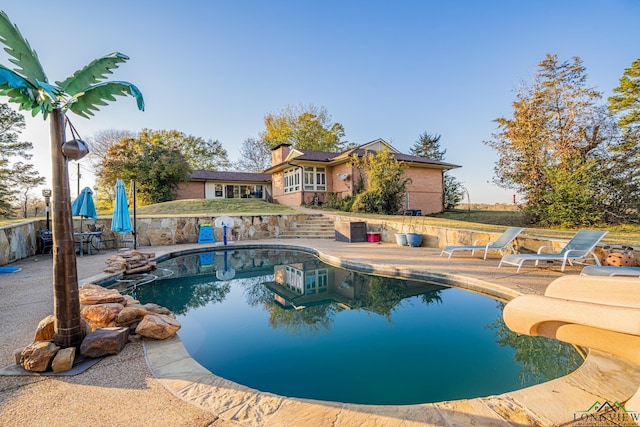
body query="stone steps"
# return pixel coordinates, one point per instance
(315, 227)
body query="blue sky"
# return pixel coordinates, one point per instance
(384, 69)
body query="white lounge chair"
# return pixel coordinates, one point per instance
(579, 249)
(504, 242)
(610, 270)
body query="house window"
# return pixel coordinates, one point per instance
(315, 179)
(292, 180)
(233, 191)
(294, 280)
(316, 281)
(321, 179)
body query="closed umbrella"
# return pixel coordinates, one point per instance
(121, 221)
(83, 206)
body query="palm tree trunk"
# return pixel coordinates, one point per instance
(66, 298)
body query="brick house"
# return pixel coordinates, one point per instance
(297, 177)
(303, 176)
(225, 185)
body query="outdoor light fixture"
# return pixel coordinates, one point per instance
(76, 148)
(46, 193)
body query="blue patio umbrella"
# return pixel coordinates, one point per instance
(121, 221)
(83, 206)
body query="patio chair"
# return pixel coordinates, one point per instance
(504, 242)
(610, 271)
(45, 239)
(579, 250)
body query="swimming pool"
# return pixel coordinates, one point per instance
(284, 322)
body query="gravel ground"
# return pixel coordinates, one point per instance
(117, 391)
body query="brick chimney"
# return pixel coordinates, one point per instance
(279, 153)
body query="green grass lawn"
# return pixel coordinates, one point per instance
(213, 207)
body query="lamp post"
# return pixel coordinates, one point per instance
(46, 193)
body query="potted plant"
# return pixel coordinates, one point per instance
(401, 238)
(413, 239)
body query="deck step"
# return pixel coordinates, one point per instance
(314, 227)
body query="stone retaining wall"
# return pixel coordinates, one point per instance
(439, 237)
(19, 241)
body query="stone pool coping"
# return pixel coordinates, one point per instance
(602, 377)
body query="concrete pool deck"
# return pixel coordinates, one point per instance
(157, 383)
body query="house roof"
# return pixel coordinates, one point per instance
(298, 154)
(202, 175)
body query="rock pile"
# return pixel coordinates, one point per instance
(132, 262)
(109, 320)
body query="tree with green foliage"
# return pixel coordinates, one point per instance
(201, 154)
(386, 183)
(554, 144)
(305, 128)
(428, 146)
(157, 166)
(15, 176)
(624, 176)
(626, 102)
(82, 93)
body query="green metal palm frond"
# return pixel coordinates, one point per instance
(26, 59)
(17, 89)
(86, 102)
(39, 99)
(92, 73)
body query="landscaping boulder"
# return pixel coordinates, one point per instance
(63, 361)
(158, 326)
(104, 341)
(93, 294)
(37, 356)
(158, 309)
(131, 315)
(101, 315)
(45, 329)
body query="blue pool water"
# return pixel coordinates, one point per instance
(286, 323)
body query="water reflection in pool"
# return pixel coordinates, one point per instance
(287, 323)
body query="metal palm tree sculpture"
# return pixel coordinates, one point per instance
(81, 93)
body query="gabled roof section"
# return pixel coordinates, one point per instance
(202, 175)
(378, 145)
(301, 155)
(311, 155)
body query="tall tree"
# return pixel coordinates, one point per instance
(625, 173)
(199, 153)
(428, 146)
(626, 102)
(14, 175)
(81, 93)
(158, 167)
(255, 156)
(305, 128)
(26, 178)
(102, 140)
(556, 138)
